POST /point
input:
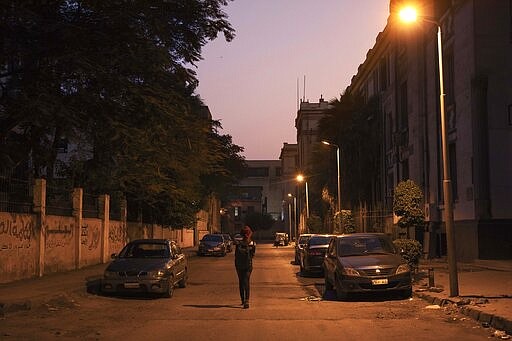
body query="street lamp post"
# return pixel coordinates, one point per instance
(409, 14)
(294, 214)
(327, 143)
(301, 178)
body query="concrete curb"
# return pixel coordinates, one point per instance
(486, 319)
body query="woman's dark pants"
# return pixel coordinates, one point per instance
(244, 276)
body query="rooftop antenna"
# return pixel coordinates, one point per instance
(298, 104)
(304, 90)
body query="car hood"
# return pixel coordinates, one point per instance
(369, 261)
(137, 264)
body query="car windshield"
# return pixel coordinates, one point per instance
(212, 238)
(364, 246)
(303, 239)
(145, 250)
(319, 240)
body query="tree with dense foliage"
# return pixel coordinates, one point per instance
(115, 80)
(259, 221)
(407, 202)
(355, 126)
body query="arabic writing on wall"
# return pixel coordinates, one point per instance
(90, 236)
(16, 232)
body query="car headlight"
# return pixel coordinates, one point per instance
(109, 274)
(158, 273)
(350, 272)
(402, 268)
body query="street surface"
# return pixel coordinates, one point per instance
(284, 306)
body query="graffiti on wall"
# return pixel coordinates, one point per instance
(90, 236)
(59, 234)
(16, 232)
(117, 234)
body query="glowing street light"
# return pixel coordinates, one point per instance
(301, 178)
(327, 143)
(408, 15)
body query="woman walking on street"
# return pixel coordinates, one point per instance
(244, 252)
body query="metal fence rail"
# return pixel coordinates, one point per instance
(16, 195)
(59, 199)
(90, 208)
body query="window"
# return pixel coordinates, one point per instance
(404, 121)
(278, 171)
(389, 130)
(449, 73)
(257, 172)
(238, 213)
(405, 169)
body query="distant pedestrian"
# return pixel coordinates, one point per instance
(244, 252)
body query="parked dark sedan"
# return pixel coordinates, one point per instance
(313, 254)
(212, 244)
(365, 262)
(147, 266)
(299, 246)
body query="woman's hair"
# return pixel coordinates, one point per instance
(246, 232)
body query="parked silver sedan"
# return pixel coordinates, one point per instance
(363, 263)
(146, 266)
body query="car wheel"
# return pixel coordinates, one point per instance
(340, 294)
(183, 282)
(170, 288)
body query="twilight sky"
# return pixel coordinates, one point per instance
(250, 84)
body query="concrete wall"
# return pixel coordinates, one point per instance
(90, 241)
(18, 246)
(33, 245)
(60, 233)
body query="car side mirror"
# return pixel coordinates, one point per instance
(113, 256)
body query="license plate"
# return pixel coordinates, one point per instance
(379, 281)
(131, 285)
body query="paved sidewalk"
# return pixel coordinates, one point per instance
(485, 291)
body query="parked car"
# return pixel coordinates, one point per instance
(299, 246)
(212, 244)
(147, 266)
(313, 253)
(281, 239)
(229, 241)
(365, 262)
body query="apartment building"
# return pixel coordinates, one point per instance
(402, 70)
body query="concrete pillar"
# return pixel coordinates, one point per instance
(104, 215)
(39, 200)
(78, 194)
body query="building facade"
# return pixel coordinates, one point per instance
(260, 191)
(402, 70)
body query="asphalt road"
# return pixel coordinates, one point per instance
(284, 306)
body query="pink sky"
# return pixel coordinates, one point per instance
(250, 84)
